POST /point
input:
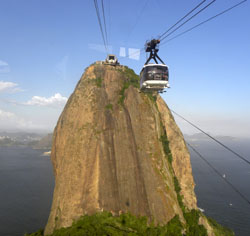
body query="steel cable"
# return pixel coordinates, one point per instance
(219, 174)
(104, 22)
(182, 19)
(217, 141)
(197, 13)
(203, 22)
(100, 24)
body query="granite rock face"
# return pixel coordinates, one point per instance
(107, 152)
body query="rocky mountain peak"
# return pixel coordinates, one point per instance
(118, 150)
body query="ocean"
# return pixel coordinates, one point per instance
(27, 182)
(26, 189)
(214, 195)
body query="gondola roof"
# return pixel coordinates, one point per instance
(149, 65)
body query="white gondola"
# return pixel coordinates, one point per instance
(154, 77)
(111, 60)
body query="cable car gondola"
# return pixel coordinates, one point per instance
(153, 77)
(111, 60)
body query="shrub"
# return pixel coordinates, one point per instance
(38, 233)
(219, 229)
(109, 107)
(152, 97)
(130, 79)
(193, 227)
(165, 144)
(122, 93)
(174, 227)
(104, 223)
(98, 82)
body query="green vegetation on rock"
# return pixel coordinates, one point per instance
(105, 224)
(38, 233)
(165, 144)
(109, 107)
(178, 192)
(98, 82)
(193, 227)
(131, 78)
(192, 217)
(122, 93)
(219, 229)
(151, 96)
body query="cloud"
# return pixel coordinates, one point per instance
(54, 101)
(10, 121)
(9, 87)
(6, 115)
(4, 67)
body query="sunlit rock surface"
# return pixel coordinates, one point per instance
(108, 155)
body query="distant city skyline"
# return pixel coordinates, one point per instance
(46, 45)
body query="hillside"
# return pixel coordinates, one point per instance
(118, 150)
(21, 139)
(44, 143)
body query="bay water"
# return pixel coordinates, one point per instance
(27, 182)
(214, 195)
(26, 189)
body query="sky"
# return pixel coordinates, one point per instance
(45, 45)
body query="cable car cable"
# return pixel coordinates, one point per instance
(100, 24)
(217, 141)
(104, 22)
(203, 22)
(188, 30)
(99, 21)
(197, 13)
(109, 19)
(137, 20)
(182, 19)
(142, 49)
(219, 174)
